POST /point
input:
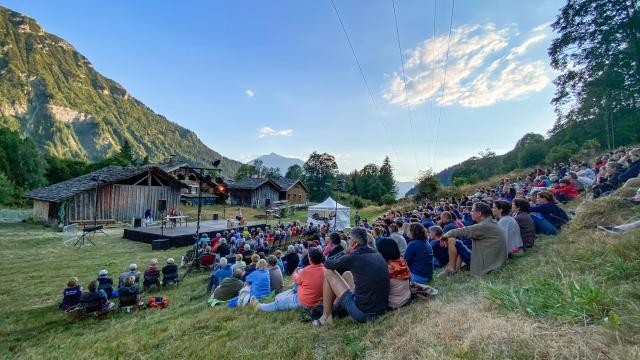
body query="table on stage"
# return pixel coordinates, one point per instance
(179, 218)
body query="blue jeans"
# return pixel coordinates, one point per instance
(287, 300)
(464, 251)
(440, 254)
(419, 279)
(543, 226)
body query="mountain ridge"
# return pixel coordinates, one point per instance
(274, 160)
(51, 93)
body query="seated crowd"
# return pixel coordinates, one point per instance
(365, 271)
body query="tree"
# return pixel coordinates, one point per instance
(294, 172)
(427, 186)
(369, 184)
(20, 161)
(596, 55)
(386, 177)
(7, 189)
(532, 154)
(270, 173)
(245, 171)
(125, 155)
(559, 154)
(320, 173)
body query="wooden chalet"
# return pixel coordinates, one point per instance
(190, 194)
(293, 191)
(261, 192)
(122, 194)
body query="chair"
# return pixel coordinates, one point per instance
(129, 299)
(151, 281)
(171, 278)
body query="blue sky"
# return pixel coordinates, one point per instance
(252, 77)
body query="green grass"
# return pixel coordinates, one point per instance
(573, 296)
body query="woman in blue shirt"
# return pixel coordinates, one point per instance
(546, 206)
(259, 280)
(419, 254)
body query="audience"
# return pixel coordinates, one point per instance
(129, 293)
(509, 226)
(275, 275)
(71, 295)
(152, 275)
(399, 289)
(94, 300)
(550, 212)
(132, 272)
(105, 283)
(220, 272)
(520, 212)
(229, 287)
(170, 272)
(419, 254)
(362, 290)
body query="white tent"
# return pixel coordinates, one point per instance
(326, 212)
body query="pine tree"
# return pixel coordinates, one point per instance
(386, 177)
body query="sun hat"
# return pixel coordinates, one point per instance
(170, 261)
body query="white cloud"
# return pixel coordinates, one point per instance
(483, 68)
(249, 93)
(267, 131)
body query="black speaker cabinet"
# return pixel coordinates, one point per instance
(216, 216)
(162, 205)
(160, 244)
(137, 222)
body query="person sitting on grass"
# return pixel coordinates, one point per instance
(105, 283)
(291, 260)
(501, 211)
(152, 275)
(399, 288)
(419, 254)
(275, 275)
(129, 293)
(279, 256)
(309, 284)
(520, 212)
(169, 272)
(218, 274)
(488, 244)
(362, 291)
(71, 295)
(439, 247)
(229, 287)
(94, 300)
(566, 191)
(399, 239)
(132, 272)
(239, 264)
(550, 212)
(251, 267)
(256, 285)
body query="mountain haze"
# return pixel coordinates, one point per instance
(274, 160)
(52, 94)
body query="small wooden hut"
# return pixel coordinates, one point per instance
(122, 194)
(262, 192)
(293, 191)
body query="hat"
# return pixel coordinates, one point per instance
(103, 273)
(170, 261)
(133, 267)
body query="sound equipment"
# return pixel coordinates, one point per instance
(137, 222)
(160, 244)
(162, 205)
(92, 228)
(216, 216)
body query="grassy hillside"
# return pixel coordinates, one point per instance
(52, 94)
(572, 296)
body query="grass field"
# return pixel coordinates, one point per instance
(576, 295)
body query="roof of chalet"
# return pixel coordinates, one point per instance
(172, 165)
(110, 174)
(281, 184)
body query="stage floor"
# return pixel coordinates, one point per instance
(183, 235)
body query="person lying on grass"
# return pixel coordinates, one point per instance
(362, 291)
(307, 291)
(488, 248)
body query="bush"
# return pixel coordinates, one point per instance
(357, 202)
(388, 199)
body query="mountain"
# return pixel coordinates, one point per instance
(52, 94)
(403, 187)
(276, 161)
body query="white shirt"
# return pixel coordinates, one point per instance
(511, 230)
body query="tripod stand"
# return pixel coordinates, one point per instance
(87, 236)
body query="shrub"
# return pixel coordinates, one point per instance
(357, 202)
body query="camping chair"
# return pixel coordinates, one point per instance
(151, 281)
(128, 300)
(170, 279)
(87, 309)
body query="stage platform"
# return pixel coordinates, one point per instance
(183, 235)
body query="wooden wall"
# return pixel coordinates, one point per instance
(82, 205)
(41, 210)
(297, 195)
(264, 192)
(131, 201)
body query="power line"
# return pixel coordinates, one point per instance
(364, 78)
(404, 80)
(444, 79)
(433, 73)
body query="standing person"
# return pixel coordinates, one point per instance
(239, 214)
(520, 209)
(363, 288)
(356, 218)
(509, 226)
(419, 254)
(488, 243)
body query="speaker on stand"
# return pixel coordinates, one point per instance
(162, 208)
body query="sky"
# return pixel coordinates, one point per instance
(255, 77)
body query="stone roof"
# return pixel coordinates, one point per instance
(283, 184)
(107, 175)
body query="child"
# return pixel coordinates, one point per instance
(71, 295)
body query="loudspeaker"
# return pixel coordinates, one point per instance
(162, 205)
(160, 244)
(216, 216)
(137, 222)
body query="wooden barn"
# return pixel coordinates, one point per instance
(122, 194)
(261, 192)
(183, 171)
(293, 191)
(256, 192)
